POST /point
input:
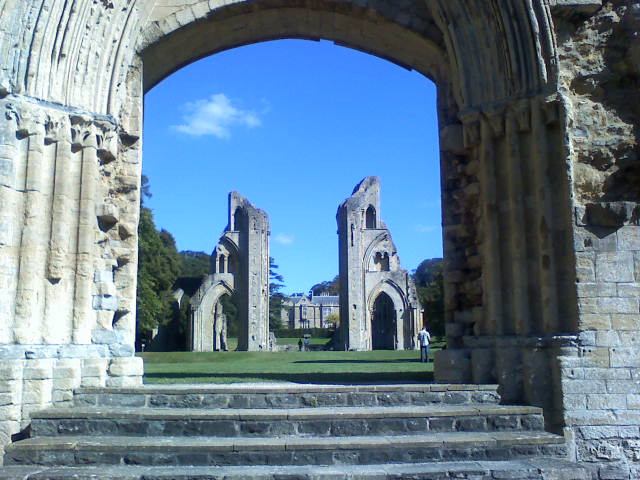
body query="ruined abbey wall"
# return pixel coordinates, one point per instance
(539, 137)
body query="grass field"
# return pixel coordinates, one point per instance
(380, 366)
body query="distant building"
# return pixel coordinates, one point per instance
(300, 311)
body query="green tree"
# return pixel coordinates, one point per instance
(276, 282)
(429, 279)
(158, 269)
(330, 287)
(194, 264)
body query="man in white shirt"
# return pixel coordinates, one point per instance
(424, 338)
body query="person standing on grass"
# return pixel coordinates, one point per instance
(424, 338)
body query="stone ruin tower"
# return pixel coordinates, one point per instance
(379, 306)
(240, 265)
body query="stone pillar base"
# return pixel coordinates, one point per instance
(523, 367)
(36, 377)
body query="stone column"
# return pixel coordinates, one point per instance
(59, 248)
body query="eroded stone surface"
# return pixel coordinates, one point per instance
(379, 307)
(240, 265)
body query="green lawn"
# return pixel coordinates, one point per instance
(380, 366)
(294, 341)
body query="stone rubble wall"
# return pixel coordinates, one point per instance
(600, 80)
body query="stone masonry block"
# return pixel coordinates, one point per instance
(585, 267)
(592, 321)
(11, 369)
(617, 305)
(607, 373)
(584, 386)
(38, 369)
(62, 396)
(574, 401)
(607, 338)
(37, 391)
(124, 381)
(66, 373)
(94, 367)
(10, 386)
(629, 238)
(604, 432)
(604, 401)
(629, 289)
(93, 382)
(106, 289)
(629, 339)
(67, 383)
(626, 322)
(595, 356)
(614, 267)
(103, 276)
(588, 338)
(11, 413)
(131, 366)
(625, 357)
(590, 417)
(588, 305)
(105, 302)
(597, 290)
(633, 401)
(623, 386)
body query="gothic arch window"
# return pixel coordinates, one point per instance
(221, 264)
(371, 217)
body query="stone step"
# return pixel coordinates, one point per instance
(528, 469)
(320, 421)
(356, 450)
(285, 395)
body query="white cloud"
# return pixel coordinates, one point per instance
(284, 239)
(427, 228)
(215, 116)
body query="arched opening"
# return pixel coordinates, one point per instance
(383, 323)
(221, 263)
(220, 324)
(371, 217)
(392, 175)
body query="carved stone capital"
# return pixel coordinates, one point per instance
(83, 132)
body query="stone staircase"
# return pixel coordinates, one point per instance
(288, 431)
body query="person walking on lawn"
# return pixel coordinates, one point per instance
(424, 337)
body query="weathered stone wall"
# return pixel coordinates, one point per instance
(369, 266)
(240, 263)
(67, 256)
(600, 81)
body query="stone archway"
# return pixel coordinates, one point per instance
(540, 207)
(204, 304)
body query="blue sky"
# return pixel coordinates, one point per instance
(294, 125)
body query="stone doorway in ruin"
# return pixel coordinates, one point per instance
(383, 323)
